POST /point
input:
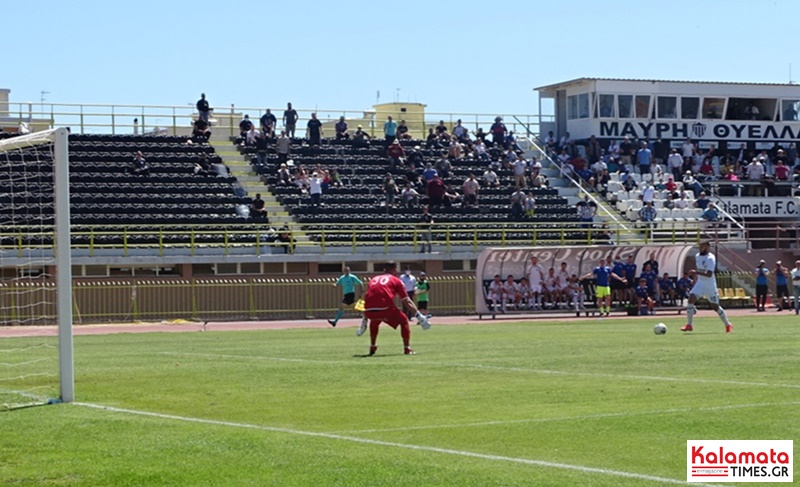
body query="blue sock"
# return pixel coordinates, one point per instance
(338, 315)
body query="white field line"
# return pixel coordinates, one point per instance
(412, 361)
(579, 417)
(447, 451)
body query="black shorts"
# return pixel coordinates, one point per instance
(617, 285)
(349, 298)
(422, 305)
(782, 290)
(761, 289)
(632, 283)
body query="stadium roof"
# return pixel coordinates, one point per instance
(582, 80)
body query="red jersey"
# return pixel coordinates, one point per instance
(381, 291)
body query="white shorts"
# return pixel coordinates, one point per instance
(536, 289)
(707, 289)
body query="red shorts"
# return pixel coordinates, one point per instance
(392, 317)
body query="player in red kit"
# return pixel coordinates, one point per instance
(379, 307)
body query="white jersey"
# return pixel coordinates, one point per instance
(550, 283)
(524, 290)
(496, 288)
(706, 263)
(536, 276)
(563, 279)
(510, 288)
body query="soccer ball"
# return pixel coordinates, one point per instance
(660, 329)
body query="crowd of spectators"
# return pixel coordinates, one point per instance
(680, 174)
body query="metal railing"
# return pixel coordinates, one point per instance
(207, 299)
(178, 119)
(257, 239)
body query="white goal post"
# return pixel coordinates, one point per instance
(21, 158)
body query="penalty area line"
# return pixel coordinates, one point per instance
(366, 441)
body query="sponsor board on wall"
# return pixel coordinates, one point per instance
(716, 130)
(755, 207)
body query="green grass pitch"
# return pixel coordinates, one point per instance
(545, 403)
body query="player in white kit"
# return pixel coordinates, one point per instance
(495, 294)
(562, 277)
(535, 280)
(706, 285)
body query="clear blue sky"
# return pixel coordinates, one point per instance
(452, 56)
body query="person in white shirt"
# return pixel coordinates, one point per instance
(315, 189)
(519, 173)
(705, 286)
(490, 177)
(535, 281)
(675, 163)
(755, 172)
(410, 283)
(648, 193)
(470, 189)
(613, 150)
(524, 290)
(687, 149)
(409, 196)
(511, 293)
(495, 294)
(683, 202)
(796, 286)
(551, 290)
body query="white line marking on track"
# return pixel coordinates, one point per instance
(503, 368)
(447, 451)
(579, 417)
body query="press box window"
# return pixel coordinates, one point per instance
(605, 106)
(689, 107)
(789, 109)
(712, 108)
(625, 106)
(667, 107)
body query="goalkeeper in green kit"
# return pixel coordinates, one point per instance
(422, 289)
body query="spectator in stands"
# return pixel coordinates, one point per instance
(315, 189)
(566, 143)
(710, 214)
(301, 178)
(687, 150)
(251, 137)
(671, 186)
(755, 173)
(781, 169)
(441, 130)
(268, 123)
(336, 179)
(314, 130)
(283, 147)
(258, 207)
(683, 201)
(284, 176)
(593, 150)
(432, 141)
(454, 149)
(415, 158)
(290, 118)
(390, 130)
(429, 173)
(285, 240)
(529, 205)
(519, 167)
(669, 203)
(517, 204)
(675, 164)
(690, 183)
(702, 201)
(461, 134)
(341, 129)
(435, 189)
(409, 196)
(200, 129)
(648, 193)
(498, 131)
(660, 151)
(360, 138)
(261, 148)
(550, 141)
(203, 109)
(626, 151)
(395, 153)
(645, 158)
(647, 213)
(402, 131)
(479, 150)
(245, 126)
(490, 178)
(470, 188)
(563, 158)
(139, 165)
(539, 181)
(426, 227)
(586, 211)
(323, 174)
(511, 141)
(390, 189)
(451, 196)
(444, 167)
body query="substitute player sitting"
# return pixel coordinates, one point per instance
(524, 290)
(643, 299)
(348, 283)
(379, 307)
(551, 291)
(705, 285)
(511, 293)
(495, 293)
(574, 293)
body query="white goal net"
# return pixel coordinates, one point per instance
(35, 270)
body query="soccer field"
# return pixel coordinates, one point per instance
(569, 402)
